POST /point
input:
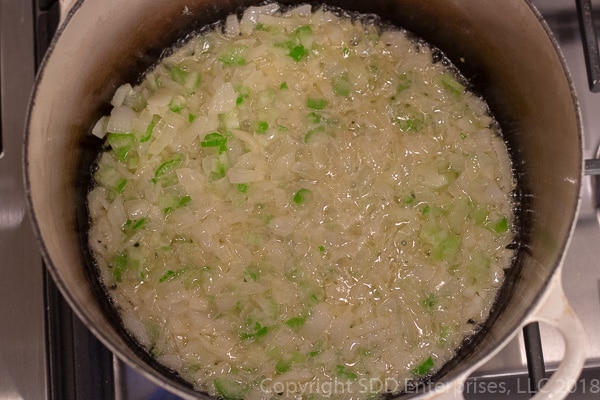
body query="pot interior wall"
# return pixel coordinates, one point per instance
(504, 52)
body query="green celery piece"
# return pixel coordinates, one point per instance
(316, 103)
(452, 85)
(302, 196)
(119, 266)
(424, 368)
(253, 275)
(121, 144)
(121, 185)
(178, 74)
(409, 199)
(242, 187)
(479, 215)
(445, 333)
(176, 203)
(314, 118)
(230, 389)
(282, 366)
(283, 86)
(298, 52)
(108, 177)
(132, 226)
(167, 167)
(479, 268)
(410, 123)
(138, 223)
(194, 80)
(501, 225)
(170, 274)
(215, 139)
(341, 85)
(219, 171)
(304, 30)
(235, 55)
(261, 127)
(404, 82)
(343, 372)
(150, 128)
(295, 322)
(429, 302)
(262, 331)
(447, 248)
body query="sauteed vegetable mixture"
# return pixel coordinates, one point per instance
(300, 200)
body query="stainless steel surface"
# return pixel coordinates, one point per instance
(22, 345)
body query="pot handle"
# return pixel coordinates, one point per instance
(556, 311)
(65, 7)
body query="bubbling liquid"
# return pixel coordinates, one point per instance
(298, 200)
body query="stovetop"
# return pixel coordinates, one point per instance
(46, 353)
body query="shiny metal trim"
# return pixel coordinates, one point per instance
(22, 332)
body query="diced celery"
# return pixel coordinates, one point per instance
(404, 82)
(230, 389)
(298, 52)
(410, 123)
(282, 366)
(150, 128)
(234, 55)
(316, 103)
(314, 118)
(215, 139)
(479, 215)
(302, 196)
(178, 74)
(121, 144)
(295, 322)
(261, 127)
(341, 85)
(175, 203)
(501, 225)
(177, 104)
(170, 274)
(250, 274)
(409, 199)
(343, 372)
(424, 368)
(242, 187)
(254, 330)
(119, 266)
(167, 167)
(108, 177)
(304, 30)
(479, 268)
(429, 302)
(452, 85)
(132, 226)
(447, 249)
(193, 80)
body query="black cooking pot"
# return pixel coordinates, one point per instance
(503, 48)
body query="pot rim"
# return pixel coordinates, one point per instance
(145, 369)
